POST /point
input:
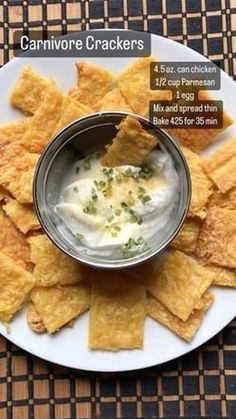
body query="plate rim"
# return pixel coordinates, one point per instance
(199, 57)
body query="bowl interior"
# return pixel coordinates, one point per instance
(79, 139)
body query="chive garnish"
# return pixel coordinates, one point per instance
(90, 208)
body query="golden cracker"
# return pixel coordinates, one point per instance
(70, 111)
(16, 283)
(217, 239)
(93, 83)
(186, 239)
(14, 131)
(201, 185)
(221, 166)
(227, 200)
(223, 277)
(17, 168)
(23, 216)
(114, 101)
(117, 314)
(59, 305)
(51, 265)
(131, 145)
(184, 329)
(12, 242)
(29, 90)
(174, 274)
(44, 121)
(134, 84)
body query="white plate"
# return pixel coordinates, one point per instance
(69, 346)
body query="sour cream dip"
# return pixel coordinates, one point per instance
(116, 211)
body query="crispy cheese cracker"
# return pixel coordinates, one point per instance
(217, 239)
(70, 111)
(185, 329)
(114, 101)
(223, 277)
(134, 84)
(29, 90)
(34, 319)
(16, 171)
(14, 131)
(175, 274)
(44, 121)
(227, 200)
(16, 283)
(23, 216)
(201, 185)
(198, 139)
(51, 265)
(59, 305)
(117, 314)
(93, 83)
(3, 194)
(221, 166)
(12, 241)
(186, 239)
(131, 145)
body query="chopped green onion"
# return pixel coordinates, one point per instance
(145, 199)
(79, 237)
(134, 247)
(87, 163)
(90, 208)
(94, 194)
(111, 218)
(75, 189)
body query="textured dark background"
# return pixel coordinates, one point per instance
(201, 384)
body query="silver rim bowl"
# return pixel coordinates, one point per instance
(75, 141)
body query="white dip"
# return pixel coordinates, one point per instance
(116, 211)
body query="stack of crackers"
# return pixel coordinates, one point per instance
(174, 290)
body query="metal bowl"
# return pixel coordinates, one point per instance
(80, 138)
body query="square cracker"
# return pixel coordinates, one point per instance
(114, 101)
(29, 90)
(70, 111)
(23, 216)
(16, 171)
(186, 330)
(117, 314)
(59, 305)
(179, 282)
(134, 84)
(201, 185)
(93, 83)
(16, 283)
(223, 277)
(131, 145)
(186, 239)
(12, 242)
(217, 239)
(51, 265)
(198, 139)
(221, 166)
(227, 200)
(44, 121)
(14, 131)
(3, 194)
